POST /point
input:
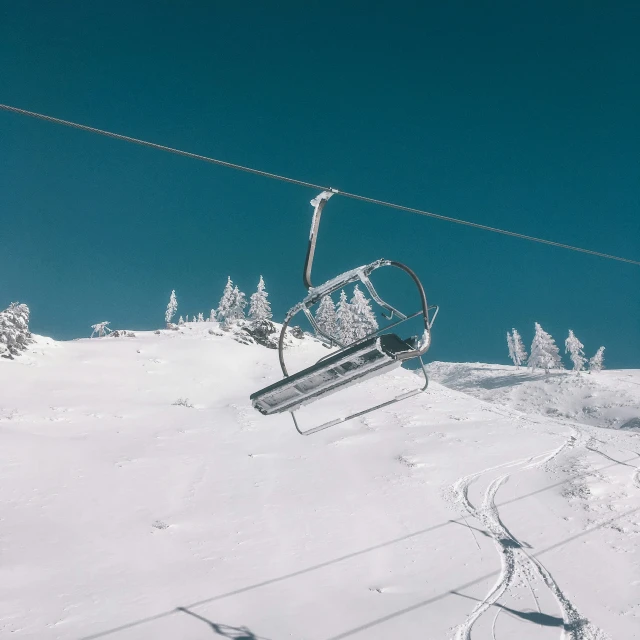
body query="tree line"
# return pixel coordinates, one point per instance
(546, 355)
(346, 322)
(230, 309)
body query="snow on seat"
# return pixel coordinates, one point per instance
(369, 358)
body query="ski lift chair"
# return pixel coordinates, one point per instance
(370, 356)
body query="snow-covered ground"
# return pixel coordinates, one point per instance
(491, 507)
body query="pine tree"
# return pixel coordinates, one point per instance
(575, 349)
(512, 352)
(14, 329)
(326, 318)
(200, 317)
(344, 317)
(518, 348)
(180, 320)
(212, 315)
(364, 320)
(597, 362)
(517, 352)
(226, 302)
(239, 302)
(172, 307)
(544, 352)
(260, 309)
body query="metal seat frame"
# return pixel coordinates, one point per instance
(360, 274)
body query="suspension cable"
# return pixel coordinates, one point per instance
(303, 183)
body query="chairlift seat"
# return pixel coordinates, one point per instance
(352, 364)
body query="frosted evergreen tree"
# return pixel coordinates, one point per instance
(326, 318)
(364, 320)
(575, 349)
(517, 352)
(238, 303)
(344, 318)
(226, 302)
(172, 307)
(597, 362)
(518, 347)
(200, 317)
(186, 318)
(180, 321)
(260, 309)
(544, 352)
(512, 352)
(14, 329)
(100, 328)
(212, 315)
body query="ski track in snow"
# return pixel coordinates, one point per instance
(515, 561)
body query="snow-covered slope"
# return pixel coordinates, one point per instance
(125, 515)
(603, 399)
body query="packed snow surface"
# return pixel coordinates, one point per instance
(143, 497)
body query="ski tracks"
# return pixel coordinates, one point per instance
(516, 562)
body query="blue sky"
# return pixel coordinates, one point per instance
(524, 117)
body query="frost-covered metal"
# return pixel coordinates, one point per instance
(369, 356)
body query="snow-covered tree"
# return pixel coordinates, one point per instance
(100, 328)
(14, 329)
(172, 307)
(180, 321)
(597, 362)
(344, 318)
(512, 352)
(517, 352)
(260, 309)
(544, 352)
(200, 317)
(575, 349)
(326, 318)
(226, 302)
(518, 348)
(239, 303)
(212, 315)
(364, 320)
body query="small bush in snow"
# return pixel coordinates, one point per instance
(597, 362)
(183, 402)
(101, 329)
(575, 349)
(297, 332)
(263, 332)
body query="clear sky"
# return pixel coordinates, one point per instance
(520, 115)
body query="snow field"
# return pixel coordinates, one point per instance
(446, 516)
